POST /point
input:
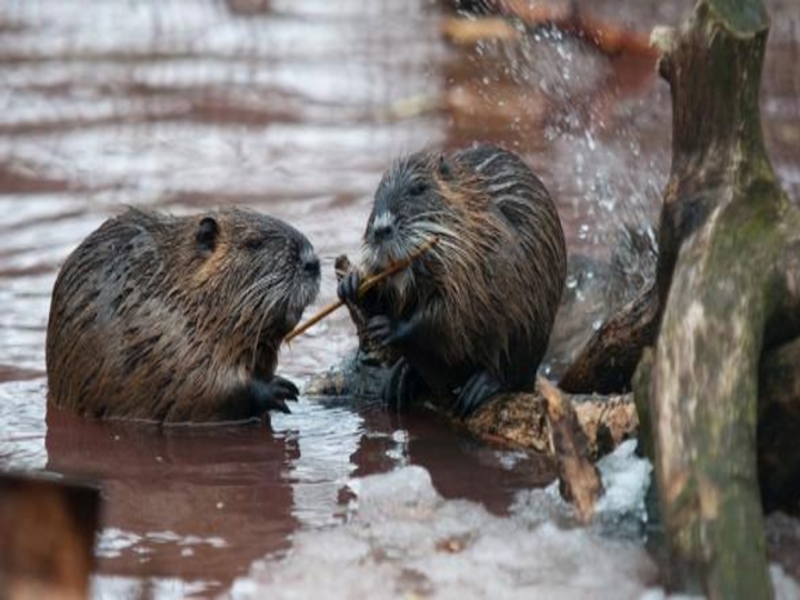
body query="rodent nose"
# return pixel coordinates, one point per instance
(311, 266)
(383, 232)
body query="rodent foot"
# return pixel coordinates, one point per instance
(273, 395)
(347, 290)
(478, 389)
(402, 386)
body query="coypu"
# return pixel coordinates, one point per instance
(178, 318)
(474, 314)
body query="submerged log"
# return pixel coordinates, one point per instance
(729, 290)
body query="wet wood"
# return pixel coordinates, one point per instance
(47, 528)
(607, 362)
(579, 479)
(521, 421)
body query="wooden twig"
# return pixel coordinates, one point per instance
(366, 285)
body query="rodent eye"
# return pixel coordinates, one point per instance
(254, 244)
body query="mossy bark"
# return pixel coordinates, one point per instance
(733, 296)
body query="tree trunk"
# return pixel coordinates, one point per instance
(733, 295)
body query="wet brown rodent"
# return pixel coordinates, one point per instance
(474, 314)
(178, 319)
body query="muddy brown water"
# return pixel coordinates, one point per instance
(292, 108)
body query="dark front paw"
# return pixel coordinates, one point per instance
(478, 389)
(272, 395)
(348, 287)
(380, 331)
(403, 386)
(385, 332)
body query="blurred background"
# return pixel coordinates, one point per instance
(295, 108)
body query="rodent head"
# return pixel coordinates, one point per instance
(256, 269)
(420, 197)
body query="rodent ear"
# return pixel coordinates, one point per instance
(445, 170)
(206, 236)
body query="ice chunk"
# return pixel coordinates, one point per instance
(403, 540)
(786, 588)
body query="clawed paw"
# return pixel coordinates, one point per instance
(347, 289)
(274, 394)
(478, 389)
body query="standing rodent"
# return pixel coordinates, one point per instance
(178, 319)
(474, 314)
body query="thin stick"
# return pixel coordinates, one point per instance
(365, 286)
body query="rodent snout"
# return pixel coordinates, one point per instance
(383, 227)
(383, 233)
(310, 263)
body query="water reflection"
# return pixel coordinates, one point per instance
(187, 502)
(325, 440)
(461, 466)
